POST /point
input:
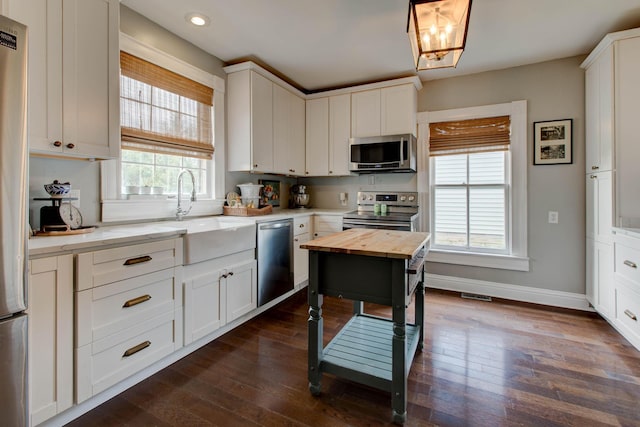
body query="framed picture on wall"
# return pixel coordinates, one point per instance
(270, 192)
(553, 142)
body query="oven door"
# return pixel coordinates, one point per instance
(376, 225)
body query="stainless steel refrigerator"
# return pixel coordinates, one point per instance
(13, 221)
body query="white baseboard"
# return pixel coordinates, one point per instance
(512, 292)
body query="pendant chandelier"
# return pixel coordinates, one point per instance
(437, 32)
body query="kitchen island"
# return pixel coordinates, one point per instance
(379, 266)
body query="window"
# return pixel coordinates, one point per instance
(474, 173)
(166, 125)
(470, 184)
(165, 130)
(470, 194)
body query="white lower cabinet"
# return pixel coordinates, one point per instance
(324, 225)
(600, 286)
(301, 235)
(627, 286)
(217, 292)
(128, 312)
(241, 289)
(50, 336)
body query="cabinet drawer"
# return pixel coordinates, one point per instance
(301, 225)
(104, 363)
(628, 312)
(109, 309)
(111, 265)
(627, 262)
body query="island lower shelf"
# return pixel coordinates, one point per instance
(362, 351)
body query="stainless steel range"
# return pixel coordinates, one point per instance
(401, 211)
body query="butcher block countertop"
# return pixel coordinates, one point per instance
(368, 242)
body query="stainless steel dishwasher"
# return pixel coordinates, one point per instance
(275, 259)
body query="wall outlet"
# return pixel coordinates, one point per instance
(553, 217)
(75, 194)
(372, 179)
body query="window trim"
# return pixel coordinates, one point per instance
(114, 208)
(518, 259)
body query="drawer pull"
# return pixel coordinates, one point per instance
(594, 168)
(630, 263)
(137, 348)
(630, 315)
(136, 301)
(138, 260)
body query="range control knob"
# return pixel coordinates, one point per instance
(364, 197)
(370, 197)
(412, 198)
(403, 198)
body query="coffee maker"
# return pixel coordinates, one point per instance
(298, 197)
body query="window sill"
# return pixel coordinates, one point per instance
(131, 210)
(503, 262)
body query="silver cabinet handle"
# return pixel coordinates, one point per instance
(630, 263)
(593, 177)
(595, 168)
(631, 315)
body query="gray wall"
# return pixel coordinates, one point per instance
(553, 90)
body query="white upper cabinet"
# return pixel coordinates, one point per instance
(73, 76)
(328, 130)
(317, 140)
(339, 131)
(365, 113)
(266, 123)
(288, 132)
(599, 111)
(627, 130)
(250, 121)
(386, 111)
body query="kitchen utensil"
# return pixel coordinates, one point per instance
(70, 215)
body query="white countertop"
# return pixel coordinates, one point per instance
(627, 231)
(104, 236)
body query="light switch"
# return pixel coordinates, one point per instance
(553, 217)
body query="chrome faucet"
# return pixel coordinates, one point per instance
(180, 212)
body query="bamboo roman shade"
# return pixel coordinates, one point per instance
(470, 136)
(164, 112)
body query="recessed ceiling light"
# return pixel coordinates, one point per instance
(197, 19)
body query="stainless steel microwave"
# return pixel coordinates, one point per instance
(392, 153)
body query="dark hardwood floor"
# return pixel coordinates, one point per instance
(484, 364)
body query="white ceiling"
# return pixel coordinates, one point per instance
(321, 44)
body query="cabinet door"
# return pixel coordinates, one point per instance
(288, 132)
(317, 138)
(90, 87)
(50, 336)
(339, 132)
(204, 308)
(261, 123)
(398, 109)
(603, 276)
(300, 259)
(241, 289)
(44, 20)
(599, 93)
(627, 127)
(297, 150)
(365, 113)
(599, 199)
(281, 143)
(591, 272)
